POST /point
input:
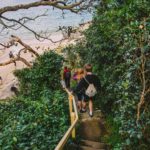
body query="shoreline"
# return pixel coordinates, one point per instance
(6, 72)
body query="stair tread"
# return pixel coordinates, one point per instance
(91, 130)
(89, 148)
(93, 144)
(97, 114)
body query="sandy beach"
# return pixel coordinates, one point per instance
(6, 72)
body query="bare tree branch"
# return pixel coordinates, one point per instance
(22, 20)
(56, 4)
(27, 47)
(143, 75)
(38, 36)
(15, 40)
(19, 53)
(14, 24)
(3, 45)
(16, 59)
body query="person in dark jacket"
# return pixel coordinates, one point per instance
(67, 76)
(83, 85)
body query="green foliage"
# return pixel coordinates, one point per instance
(117, 44)
(37, 125)
(37, 119)
(72, 58)
(112, 137)
(42, 78)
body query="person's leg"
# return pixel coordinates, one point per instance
(90, 107)
(84, 102)
(79, 105)
(66, 82)
(79, 96)
(83, 105)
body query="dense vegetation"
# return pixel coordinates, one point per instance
(37, 118)
(117, 44)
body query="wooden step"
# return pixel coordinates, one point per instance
(91, 130)
(88, 148)
(97, 115)
(93, 144)
(81, 147)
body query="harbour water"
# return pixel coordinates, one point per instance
(49, 23)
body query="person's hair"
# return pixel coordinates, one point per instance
(80, 71)
(65, 67)
(88, 67)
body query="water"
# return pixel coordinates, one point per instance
(49, 23)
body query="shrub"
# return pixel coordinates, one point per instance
(42, 77)
(38, 117)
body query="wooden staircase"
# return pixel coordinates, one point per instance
(90, 131)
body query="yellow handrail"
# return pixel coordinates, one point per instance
(74, 120)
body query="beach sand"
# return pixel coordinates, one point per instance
(6, 72)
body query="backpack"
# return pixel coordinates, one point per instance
(68, 74)
(91, 90)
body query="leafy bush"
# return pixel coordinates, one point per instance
(112, 137)
(27, 124)
(42, 78)
(37, 118)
